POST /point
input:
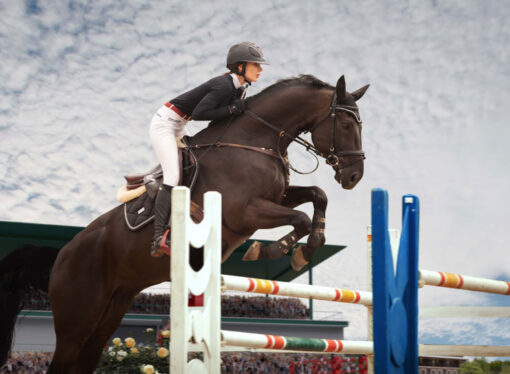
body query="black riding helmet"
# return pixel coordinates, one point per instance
(242, 53)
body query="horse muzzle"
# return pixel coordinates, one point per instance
(348, 177)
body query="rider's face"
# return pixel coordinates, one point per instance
(253, 71)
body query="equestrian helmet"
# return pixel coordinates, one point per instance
(245, 52)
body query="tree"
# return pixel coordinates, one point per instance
(496, 367)
(471, 368)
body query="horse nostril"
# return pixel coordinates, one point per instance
(354, 177)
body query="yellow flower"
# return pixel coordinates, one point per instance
(148, 369)
(162, 352)
(130, 342)
(117, 342)
(165, 333)
(134, 351)
(149, 330)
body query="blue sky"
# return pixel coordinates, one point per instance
(81, 80)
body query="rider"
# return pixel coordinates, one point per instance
(218, 98)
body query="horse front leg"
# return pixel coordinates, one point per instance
(264, 214)
(296, 195)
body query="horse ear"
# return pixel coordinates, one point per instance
(341, 92)
(358, 94)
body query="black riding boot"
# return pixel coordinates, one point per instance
(161, 218)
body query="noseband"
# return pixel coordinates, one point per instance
(333, 158)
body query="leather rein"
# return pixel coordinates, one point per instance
(332, 159)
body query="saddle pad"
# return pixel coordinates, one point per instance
(124, 195)
(139, 212)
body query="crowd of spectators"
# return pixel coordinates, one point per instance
(272, 363)
(27, 363)
(36, 300)
(232, 363)
(263, 307)
(146, 303)
(231, 305)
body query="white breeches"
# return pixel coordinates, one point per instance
(165, 126)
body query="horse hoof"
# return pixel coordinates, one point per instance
(297, 260)
(253, 253)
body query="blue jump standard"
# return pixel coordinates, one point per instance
(395, 297)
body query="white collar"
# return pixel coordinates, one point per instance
(235, 79)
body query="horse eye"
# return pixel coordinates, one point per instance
(346, 125)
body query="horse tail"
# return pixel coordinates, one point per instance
(26, 268)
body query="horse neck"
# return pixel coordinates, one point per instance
(291, 110)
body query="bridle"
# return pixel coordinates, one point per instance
(334, 157)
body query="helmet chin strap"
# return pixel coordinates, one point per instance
(243, 72)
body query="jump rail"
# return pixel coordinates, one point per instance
(463, 282)
(244, 339)
(269, 287)
(394, 299)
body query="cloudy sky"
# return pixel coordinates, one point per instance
(81, 80)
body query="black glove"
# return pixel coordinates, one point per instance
(237, 107)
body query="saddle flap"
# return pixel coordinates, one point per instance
(139, 211)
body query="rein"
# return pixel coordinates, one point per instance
(309, 147)
(334, 156)
(332, 159)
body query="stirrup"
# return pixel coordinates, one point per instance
(161, 246)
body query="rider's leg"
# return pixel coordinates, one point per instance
(161, 218)
(163, 129)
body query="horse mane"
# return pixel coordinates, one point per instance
(301, 80)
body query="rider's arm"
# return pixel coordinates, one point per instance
(214, 105)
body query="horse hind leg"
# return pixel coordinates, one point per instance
(74, 324)
(72, 332)
(79, 296)
(91, 352)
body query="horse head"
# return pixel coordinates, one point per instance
(337, 135)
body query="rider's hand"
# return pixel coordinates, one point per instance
(237, 107)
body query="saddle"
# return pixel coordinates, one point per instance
(139, 193)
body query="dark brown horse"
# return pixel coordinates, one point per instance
(96, 276)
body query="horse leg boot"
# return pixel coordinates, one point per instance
(296, 195)
(161, 241)
(264, 214)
